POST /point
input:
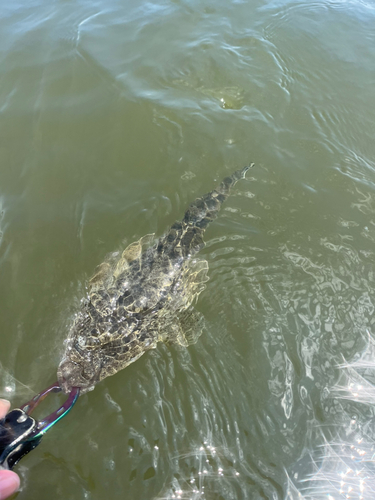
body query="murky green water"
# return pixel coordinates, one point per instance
(113, 117)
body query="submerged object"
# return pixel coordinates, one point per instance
(141, 297)
(136, 299)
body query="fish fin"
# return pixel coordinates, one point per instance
(103, 275)
(102, 289)
(132, 252)
(192, 282)
(185, 330)
(192, 325)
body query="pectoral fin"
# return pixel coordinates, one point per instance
(186, 328)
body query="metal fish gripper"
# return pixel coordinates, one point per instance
(20, 433)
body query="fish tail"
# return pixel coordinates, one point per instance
(186, 237)
(206, 208)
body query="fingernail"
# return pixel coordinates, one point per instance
(9, 483)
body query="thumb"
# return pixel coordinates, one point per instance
(9, 483)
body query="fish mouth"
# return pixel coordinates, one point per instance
(70, 375)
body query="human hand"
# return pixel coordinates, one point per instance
(9, 481)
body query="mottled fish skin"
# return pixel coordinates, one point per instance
(141, 297)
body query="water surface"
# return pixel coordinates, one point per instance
(113, 117)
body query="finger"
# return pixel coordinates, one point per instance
(9, 483)
(4, 407)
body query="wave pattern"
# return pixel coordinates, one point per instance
(113, 118)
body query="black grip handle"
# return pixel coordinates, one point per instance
(16, 430)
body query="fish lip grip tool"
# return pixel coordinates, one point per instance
(20, 433)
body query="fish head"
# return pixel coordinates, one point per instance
(72, 374)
